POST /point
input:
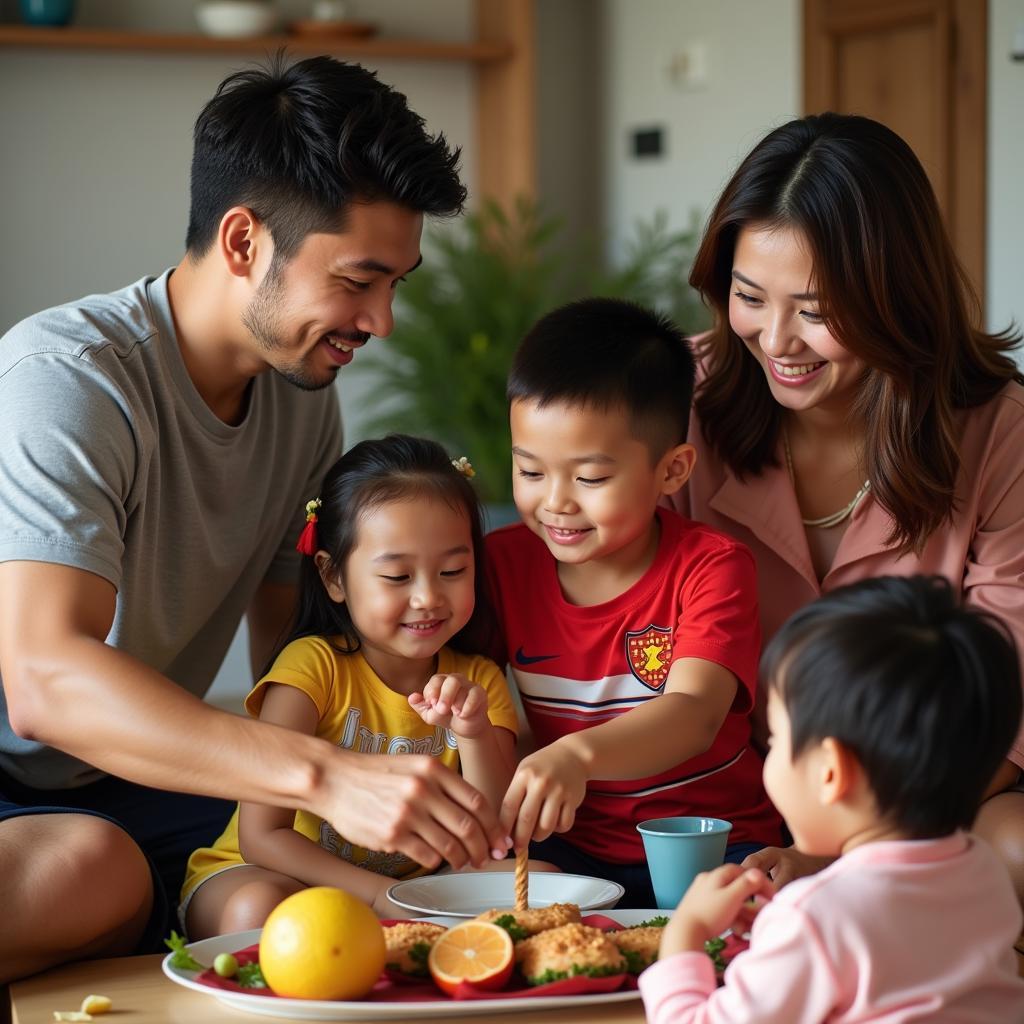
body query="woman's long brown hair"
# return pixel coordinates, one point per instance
(891, 291)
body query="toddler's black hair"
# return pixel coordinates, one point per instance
(924, 692)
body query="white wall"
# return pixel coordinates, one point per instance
(752, 83)
(1005, 292)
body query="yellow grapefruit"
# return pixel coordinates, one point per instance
(322, 943)
(477, 951)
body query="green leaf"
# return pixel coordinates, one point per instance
(713, 948)
(250, 976)
(577, 970)
(509, 923)
(180, 956)
(654, 922)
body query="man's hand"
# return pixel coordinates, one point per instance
(783, 866)
(414, 805)
(545, 791)
(452, 702)
(716, 900)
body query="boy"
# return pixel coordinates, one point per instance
(632, 633)
(890, 710)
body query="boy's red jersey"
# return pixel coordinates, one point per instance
(576, 667)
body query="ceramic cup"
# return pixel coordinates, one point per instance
(679, 849)
(47, 12)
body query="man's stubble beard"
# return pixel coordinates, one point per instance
(259, 317)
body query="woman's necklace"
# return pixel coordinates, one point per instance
(836, 517)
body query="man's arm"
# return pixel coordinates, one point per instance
(679, 724)
(269, 615)
(67, 688)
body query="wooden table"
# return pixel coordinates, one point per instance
(141, 993)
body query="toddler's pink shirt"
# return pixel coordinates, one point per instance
(981, 551)
(891, 932)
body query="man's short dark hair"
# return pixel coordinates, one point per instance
(297, 144)
(610, 354)
(924, 692)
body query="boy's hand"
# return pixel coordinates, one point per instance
(715, 901)
(545, 791)
(452, 702)
(782, 866)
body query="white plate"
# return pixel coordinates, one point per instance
(325, 1010)
(469, 894)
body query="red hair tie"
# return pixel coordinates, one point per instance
(307, 544)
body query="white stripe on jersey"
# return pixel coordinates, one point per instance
(583, 698)
(663, 787)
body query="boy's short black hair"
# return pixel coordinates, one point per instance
(605, 354)
(297, 144)
(925, 693)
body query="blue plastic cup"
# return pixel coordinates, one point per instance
(678, 850)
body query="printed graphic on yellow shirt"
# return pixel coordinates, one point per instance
(649, 655)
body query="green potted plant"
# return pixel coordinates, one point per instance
(485, 281)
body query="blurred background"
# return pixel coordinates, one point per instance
(595, 135)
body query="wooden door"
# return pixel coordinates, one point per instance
(918, 66)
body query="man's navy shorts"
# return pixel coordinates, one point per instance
(167, 827)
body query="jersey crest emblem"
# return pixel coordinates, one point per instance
(649, 655)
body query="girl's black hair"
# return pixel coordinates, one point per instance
(924, 692)
(369, 475)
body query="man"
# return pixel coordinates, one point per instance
(152, 474)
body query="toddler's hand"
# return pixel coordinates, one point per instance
(545, 791)
(452, 702)
(715, 901)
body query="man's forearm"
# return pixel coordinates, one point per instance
(131, 721)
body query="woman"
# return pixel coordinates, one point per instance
(851, 421)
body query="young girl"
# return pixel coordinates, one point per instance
(380, 661)
(890, 708)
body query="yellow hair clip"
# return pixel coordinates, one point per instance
(464, 466)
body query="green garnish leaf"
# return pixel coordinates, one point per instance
(515, 930)
(713, 948)
(654, 922)
(635, 961)
(180, 956)
(590, 972)
(250, 976)
(418, 953)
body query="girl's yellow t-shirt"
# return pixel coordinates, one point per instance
(357, 711)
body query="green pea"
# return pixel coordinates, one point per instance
(225, 965)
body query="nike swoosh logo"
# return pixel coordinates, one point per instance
(526, 659)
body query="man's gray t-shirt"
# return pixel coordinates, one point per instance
(110, 461)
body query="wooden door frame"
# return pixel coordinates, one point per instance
(962, 27)
(506, 115)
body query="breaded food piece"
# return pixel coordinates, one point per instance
(638, 945)
(567, 951)
(408, 944)
(536, 919)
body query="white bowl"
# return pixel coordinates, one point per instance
(469, 894)
(236, 19)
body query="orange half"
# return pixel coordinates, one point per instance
(477, 951)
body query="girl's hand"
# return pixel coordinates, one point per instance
(715, 901)
(545, 791)
(452, 702)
